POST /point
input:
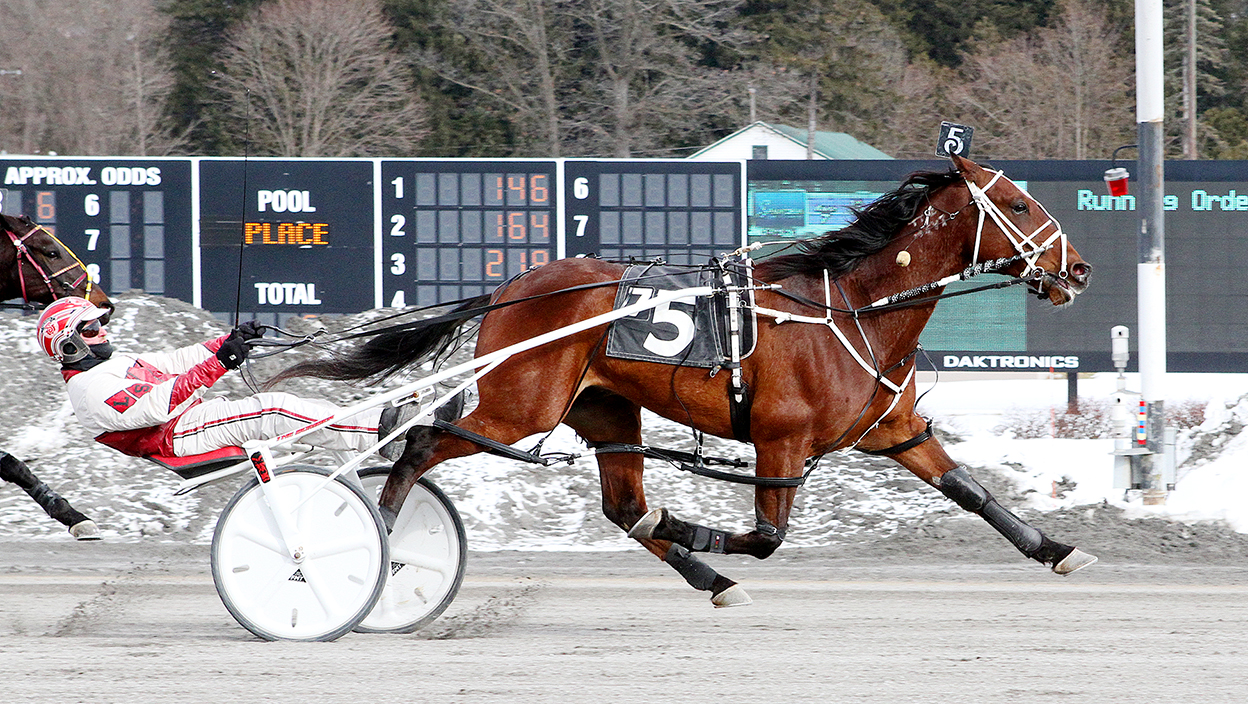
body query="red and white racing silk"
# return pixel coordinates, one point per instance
(152, 404)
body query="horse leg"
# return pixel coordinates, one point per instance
(16, 471)
(520, 415)
(421, 444)
(600, 416)
(929, 461)
(777, 458)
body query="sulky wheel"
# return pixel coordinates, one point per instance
(427, 557)
(343, 567)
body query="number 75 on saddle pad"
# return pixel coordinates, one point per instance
(692, 333)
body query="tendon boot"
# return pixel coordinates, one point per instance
(961, 487)
(55, 505)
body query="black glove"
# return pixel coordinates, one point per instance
(233, 351)
(250, 330)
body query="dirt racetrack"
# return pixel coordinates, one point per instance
(141, 622)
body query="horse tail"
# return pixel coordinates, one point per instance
(390, 351)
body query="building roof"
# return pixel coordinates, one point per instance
(828, 145)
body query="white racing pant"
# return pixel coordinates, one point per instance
(221, 423)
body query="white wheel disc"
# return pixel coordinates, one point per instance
(427, 557)
(326, 593)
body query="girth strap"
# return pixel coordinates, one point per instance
(695, 464)
(903, 446)
(739, 406)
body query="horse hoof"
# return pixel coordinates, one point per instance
(644, 528)
(732, 596)
(1076, 560)
(85, 530)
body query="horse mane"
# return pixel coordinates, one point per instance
(873, 227)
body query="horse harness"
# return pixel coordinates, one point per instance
(714, 332)
(23, 252)
(731, 276)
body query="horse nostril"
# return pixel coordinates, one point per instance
(1080, 270)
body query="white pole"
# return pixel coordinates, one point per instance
(1151, 267)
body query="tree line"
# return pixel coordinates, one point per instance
(1039, 79)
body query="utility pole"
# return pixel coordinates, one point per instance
(812, 114)
(1190, 149)
(1151, 266)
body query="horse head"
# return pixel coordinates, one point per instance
(1012, 224)
(36, 266)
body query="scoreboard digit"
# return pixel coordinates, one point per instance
(127, 219)
(684, 212)
(306, 232)
(454, 229)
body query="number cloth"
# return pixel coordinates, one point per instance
(691, 333)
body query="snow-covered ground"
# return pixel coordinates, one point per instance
(1214, 487)
(508, 505)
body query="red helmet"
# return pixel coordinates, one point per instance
(61, 328)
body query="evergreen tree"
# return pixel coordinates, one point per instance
(1224, 116)
(196, 38)
(461, 121)
(943, 30)
(1210, 53)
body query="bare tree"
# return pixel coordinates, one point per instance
(921, 101)
(1060, 93)
(93, 78)
(843, 68)
(644, 68)
(1079, 50)
(592, 77)
(318, 78)
(1007, 93)
(525, 48)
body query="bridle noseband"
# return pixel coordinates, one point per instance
(24, 253)
(1027, 245)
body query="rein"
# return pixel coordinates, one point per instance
(424, 322)
(907, 298)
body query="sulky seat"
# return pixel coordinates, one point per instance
(193, 466)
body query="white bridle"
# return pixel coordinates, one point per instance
(1026, 245)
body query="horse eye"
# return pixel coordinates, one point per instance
(1020, 207)
(53, 254)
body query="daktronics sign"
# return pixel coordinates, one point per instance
(1009, 362)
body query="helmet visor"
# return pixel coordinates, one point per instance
(90, 329)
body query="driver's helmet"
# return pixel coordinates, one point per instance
(67, 326)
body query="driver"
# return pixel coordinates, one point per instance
(152, 403)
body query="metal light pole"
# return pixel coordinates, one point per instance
(1151, 267)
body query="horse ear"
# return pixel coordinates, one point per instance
(966, 167)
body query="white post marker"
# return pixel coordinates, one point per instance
(1151, 267)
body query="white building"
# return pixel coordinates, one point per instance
(761, 140)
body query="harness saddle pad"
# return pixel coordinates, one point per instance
(689, 333)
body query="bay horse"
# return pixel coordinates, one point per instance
(36, 267)
(812, 389)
